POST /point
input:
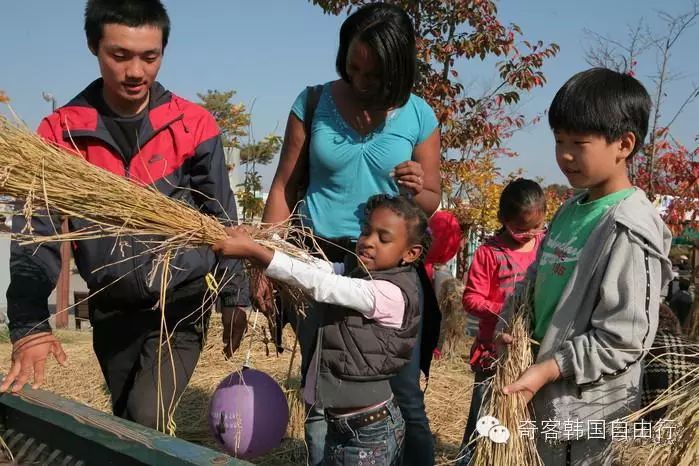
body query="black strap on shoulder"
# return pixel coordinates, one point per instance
(312, 98)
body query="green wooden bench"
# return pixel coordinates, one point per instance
(43, 428)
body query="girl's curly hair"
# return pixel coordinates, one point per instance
(415, 218)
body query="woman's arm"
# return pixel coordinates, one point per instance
(427, 154)
(421, 175)
(293, 165)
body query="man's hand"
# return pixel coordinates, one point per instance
(262, 293)
(29, 356)
(235, 324)
(535, 377)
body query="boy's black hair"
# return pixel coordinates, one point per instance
(132, 13)
(414, 216)
(684, 284)
(518, 196)
(388, 31)
(603, 102)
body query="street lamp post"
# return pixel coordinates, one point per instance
(49, 98)
(63, 283)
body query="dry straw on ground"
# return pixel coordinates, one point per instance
(447, 397)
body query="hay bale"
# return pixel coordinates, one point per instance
(452, 338)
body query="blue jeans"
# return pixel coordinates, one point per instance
(379, 443)
(419, 443)
(468, 444)
(315, 430)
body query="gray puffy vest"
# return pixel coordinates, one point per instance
(358, 357)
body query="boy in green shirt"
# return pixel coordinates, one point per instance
(597, 280)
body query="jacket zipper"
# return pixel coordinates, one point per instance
(162, 128)
(318, 353)
(134, 263)
(127, 174)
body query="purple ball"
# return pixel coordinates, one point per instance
(248, 414)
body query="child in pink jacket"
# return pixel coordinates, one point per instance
(497, 266)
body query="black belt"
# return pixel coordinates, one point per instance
(359, 420)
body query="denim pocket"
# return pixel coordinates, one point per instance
(374, 434)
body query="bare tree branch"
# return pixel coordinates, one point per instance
(616, 55)
(690, 98)
(677, 25)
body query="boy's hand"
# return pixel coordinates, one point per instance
(531, 381)
(238, 244)
(501, 341)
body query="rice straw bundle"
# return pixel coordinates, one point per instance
(675, 438)
(511, 410)
(453, 329)
(54, 181)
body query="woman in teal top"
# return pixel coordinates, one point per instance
(347, 167)
(369, 135)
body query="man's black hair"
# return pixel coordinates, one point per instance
(132, 13)
(602, 102)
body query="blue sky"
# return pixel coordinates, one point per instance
(268, 50)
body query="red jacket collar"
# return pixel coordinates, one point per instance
(80, 117)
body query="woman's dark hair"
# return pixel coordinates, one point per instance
(415, 218)
(132, 13)
(388, 31)
(603, 102)
(518, 196)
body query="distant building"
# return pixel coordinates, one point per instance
(232, 155)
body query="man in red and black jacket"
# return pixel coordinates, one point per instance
(127, 123)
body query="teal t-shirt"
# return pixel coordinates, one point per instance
(345, 169)
(560, 252)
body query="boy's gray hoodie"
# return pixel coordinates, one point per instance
(605, 321)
